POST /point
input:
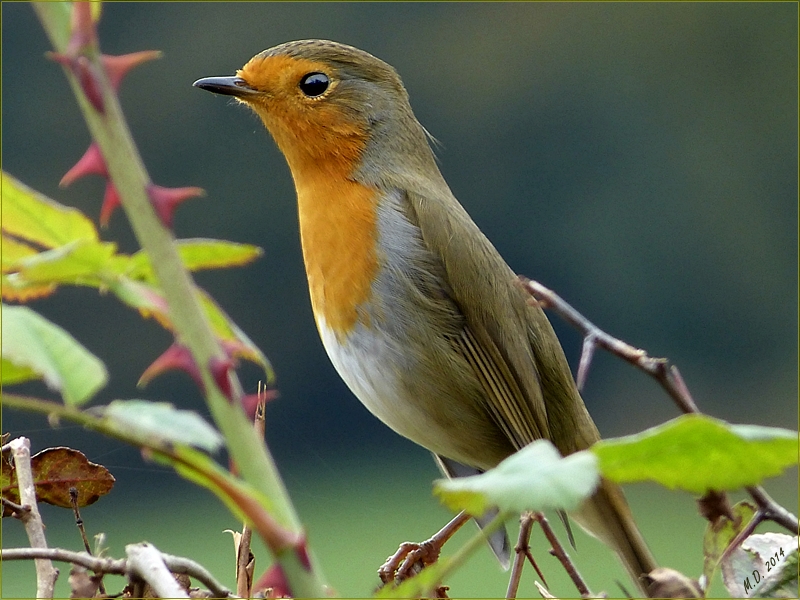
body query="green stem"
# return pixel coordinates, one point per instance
(192, 329)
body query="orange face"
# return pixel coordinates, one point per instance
(322, 139)
(305, 127)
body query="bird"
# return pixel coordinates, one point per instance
(418, 312)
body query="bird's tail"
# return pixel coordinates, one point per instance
(607, 516)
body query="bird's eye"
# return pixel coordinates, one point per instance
(314, 84)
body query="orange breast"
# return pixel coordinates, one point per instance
(338, 229)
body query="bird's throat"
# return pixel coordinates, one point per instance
(338, 230)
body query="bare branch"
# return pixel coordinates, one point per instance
(46, 573)
(774, 511)
(667, 375)
(118, 566)
(562, 556)
(522, 552)
(18, 509)
(145, 561)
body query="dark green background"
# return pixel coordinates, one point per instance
(640, 159)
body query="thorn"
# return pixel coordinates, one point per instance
(165, 200)
(118, 66)
(174, 357)
(274, 583)
(220, 371)
(91, 163)
(110, 202)
(250, 401)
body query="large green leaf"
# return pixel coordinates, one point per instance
(32, 342)
(31, 216)
(697, 453)
(536, 478)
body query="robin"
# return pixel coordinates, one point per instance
(418, 312)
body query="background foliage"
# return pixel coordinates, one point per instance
(640, 159)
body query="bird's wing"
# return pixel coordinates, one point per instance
(495, 339)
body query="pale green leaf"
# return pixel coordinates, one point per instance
(81, 262)
(198, 254)
(31, 341)
(536, 478)
(161, 421)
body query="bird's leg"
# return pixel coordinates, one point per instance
(412, 557)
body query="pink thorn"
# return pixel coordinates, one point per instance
(118, 66)
(60, 58)
(220, 370)
(110, 203)
(250, 401)
(91, 163)
(274, 582)
(165, 200)
(175, 357)
(250, 404)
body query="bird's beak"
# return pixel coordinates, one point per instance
(227, 86)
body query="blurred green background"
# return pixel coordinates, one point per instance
(640, 159)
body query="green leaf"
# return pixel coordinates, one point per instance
(697, 453)
(536, 478)
(720, 534)
(31, 341)
(161, 421)
(198, 254)
(32, 216)
(80, 262)
(12, 373)
(12, 250)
